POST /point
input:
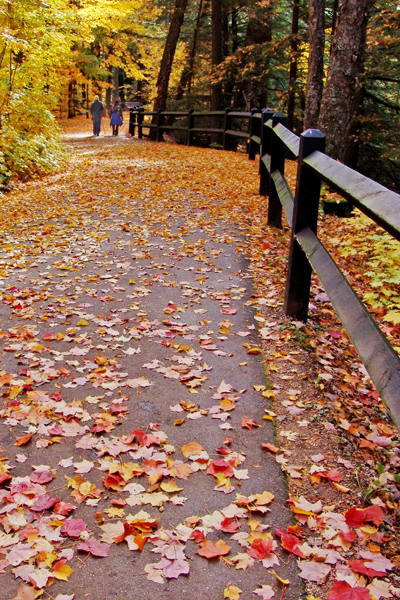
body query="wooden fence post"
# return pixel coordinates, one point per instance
(140, 123)
(278, 151)
(160, 122)
(190, 126)
(305, 213)
(265, 150)
(254, 129)
(132, 123)
(227, 125)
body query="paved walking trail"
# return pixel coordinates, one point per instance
(126, 307)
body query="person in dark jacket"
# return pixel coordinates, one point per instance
(116, 116)
(96, 110)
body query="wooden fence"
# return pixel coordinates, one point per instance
(268, 136)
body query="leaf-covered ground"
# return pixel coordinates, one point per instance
(143, 431)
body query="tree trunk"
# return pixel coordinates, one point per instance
(294, 44)
(216, 59)
(341, 98)
(187, 73)
(109, 92)
(168, 57)
(115, 75)
(316, 38)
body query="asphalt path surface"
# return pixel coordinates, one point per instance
(160, 307)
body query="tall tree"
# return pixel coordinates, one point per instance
(169, 53)
(316, 39)
(294, 45)
(216, 59)
(343, 91)
(188, 70)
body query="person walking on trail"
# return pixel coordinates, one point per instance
(96, 110)
(116, 116)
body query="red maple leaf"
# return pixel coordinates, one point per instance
(332, 475)
(220, 466)
(144, 438)
(356, 517)
(230, 525)
(358, 566)
(198, 536)
(289, 542)
(260, 548)
(74, 527)
(343, 591)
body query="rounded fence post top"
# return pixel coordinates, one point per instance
(279, 114)
(254, 111)
(315, 133)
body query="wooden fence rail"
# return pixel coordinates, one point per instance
(268, 136)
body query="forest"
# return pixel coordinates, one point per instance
(331, 64)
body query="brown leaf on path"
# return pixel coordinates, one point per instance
(249, 423)
(25, 592)
(210, 550)
(265, 592)
(94, 547)
(21, 441)
(270, 447)
(313, 571)
(191, 449)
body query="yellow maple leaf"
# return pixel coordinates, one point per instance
(170, 486)
(232, 592)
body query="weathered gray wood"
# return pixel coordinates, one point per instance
(266, 160)
(190, 125)
(241, 115)
(265, 151)
(379, 358)
(285, 195)
(291, 140)
(160, 123)
(210, 113)
(174, 127)
(379, 203)
(175, 113)
(278, 151)
(305, 213)
(254, 129)
(239, 134)
(227, 144)
(207, 130)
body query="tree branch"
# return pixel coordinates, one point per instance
(382, 78)
(375, 98)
